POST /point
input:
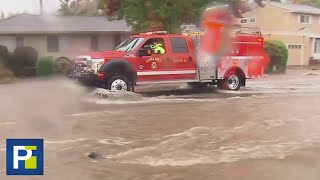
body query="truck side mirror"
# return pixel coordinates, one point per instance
(145, 52)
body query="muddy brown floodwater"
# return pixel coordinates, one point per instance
(268, 130)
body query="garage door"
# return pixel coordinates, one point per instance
(295, 54)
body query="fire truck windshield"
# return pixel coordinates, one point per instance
(129, 45)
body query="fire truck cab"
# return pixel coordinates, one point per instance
(134, 62)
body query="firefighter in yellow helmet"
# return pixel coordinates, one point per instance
(157, 48)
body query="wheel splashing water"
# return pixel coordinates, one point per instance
(115, 96)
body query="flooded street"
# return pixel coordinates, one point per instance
(268, 130)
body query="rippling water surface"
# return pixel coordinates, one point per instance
(268, 130)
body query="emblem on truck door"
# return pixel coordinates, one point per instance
(154, 65)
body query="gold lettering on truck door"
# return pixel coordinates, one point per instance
(183, 60)
(153, 59)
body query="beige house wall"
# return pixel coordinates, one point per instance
(280, 24)
(70, 45)
(8, 41)
(268, 17)
(313, 26)
(275, 18)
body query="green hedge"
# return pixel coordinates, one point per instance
(5, 74)
(45, 66)
(278, 54)
(4, 53)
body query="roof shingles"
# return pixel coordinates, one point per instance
(297, 8)
(33, 24)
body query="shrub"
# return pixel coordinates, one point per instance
(4, 55)
(63, 66)
(5, 74)
(45, 66)
(278, 54)
(24, 61)
(4, 52)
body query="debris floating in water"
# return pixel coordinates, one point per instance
(95, 155)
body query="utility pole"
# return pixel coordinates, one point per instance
(41, 6)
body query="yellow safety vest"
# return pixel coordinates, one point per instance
(158, 49)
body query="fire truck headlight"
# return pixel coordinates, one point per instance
(97, 64)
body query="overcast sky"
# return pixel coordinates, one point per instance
(31, 6)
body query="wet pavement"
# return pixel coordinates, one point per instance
(268, 130)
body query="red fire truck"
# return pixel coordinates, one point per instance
(133, 62)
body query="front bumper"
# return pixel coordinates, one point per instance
(85, 78)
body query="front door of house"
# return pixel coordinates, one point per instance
(316, 51)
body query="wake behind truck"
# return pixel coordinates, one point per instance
(133, 62)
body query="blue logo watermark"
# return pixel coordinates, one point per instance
(25, 157)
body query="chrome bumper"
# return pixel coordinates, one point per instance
(85, 78)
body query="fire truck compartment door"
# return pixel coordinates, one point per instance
(207, 65)
(255, 66)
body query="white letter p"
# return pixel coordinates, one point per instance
(17, 158)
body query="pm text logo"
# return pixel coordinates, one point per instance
(24, 156)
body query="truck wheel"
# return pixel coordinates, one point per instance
(119, 83)
(232, 81)
(196, 85)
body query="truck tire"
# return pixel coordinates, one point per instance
(231, 82)
(119, 83)
(197, 85)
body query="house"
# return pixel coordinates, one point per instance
(298, 26)
(62, 36)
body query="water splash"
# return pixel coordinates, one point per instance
(37, 107)
(116, 96)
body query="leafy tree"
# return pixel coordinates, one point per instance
(164, 14)
(79, 7)
(150, 14)
(64, 8)
(315, 3)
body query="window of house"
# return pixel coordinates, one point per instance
(117, 40)
(252, 20)
(179, 45)
(294, 46)
(19, 41)
(52, 44)
(94, 43)
(317, 45)
(244, 21)
(304, 19)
